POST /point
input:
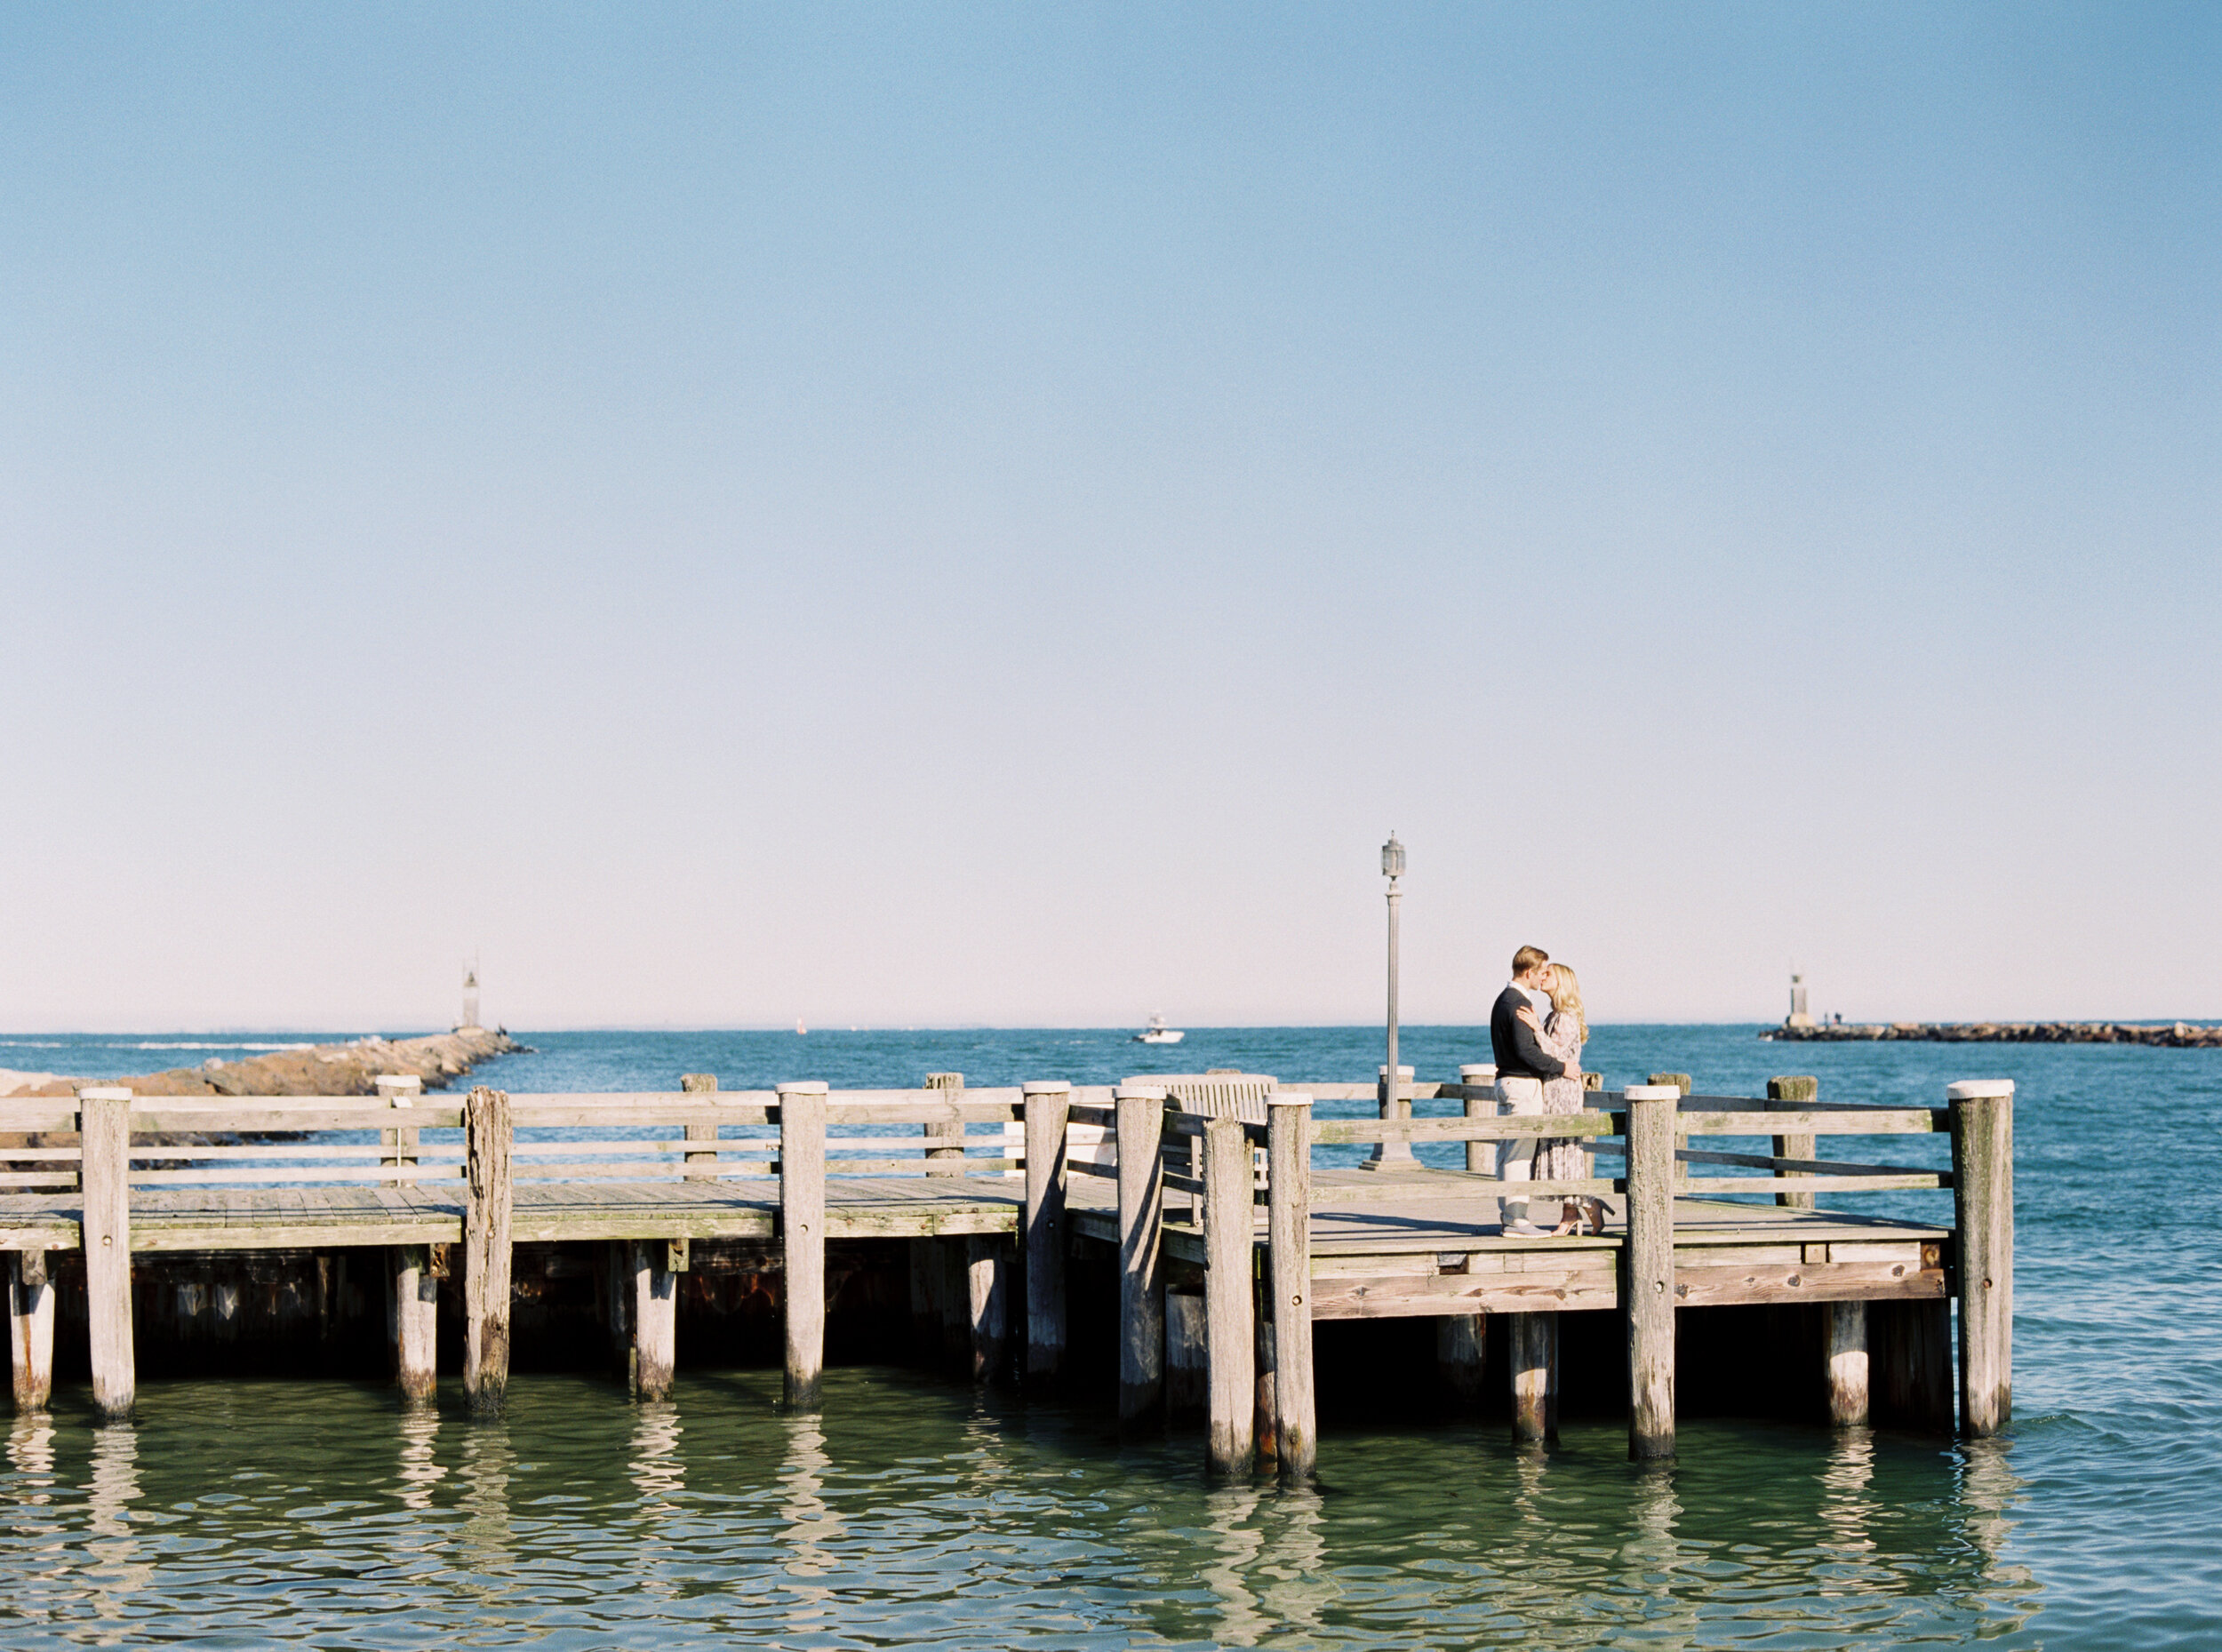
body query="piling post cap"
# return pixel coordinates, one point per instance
(1047, 1087)
(1138, 1092)
(1380, 1070)
(1981, 1090)
(1473, 1071)
(398, 1084)
(1290, 1099)
(1652, 1092)
(806, 1087)
(105, 1092)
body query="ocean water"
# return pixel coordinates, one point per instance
(916, 1513)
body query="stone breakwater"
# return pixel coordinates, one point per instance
(2177, 1036)
(320, 1070)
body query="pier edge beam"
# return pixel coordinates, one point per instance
(1983, 1196)
(416, 1322)
(1288, 1265)
(104, 1126)
(31, 1329)
(488, 1136)
(803, 1239)
(1230, 1339)
(1646, 1260)
(1047, 1105)
(1141, 1125)
(1795, 1090)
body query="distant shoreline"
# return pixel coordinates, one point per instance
(2176, 1035)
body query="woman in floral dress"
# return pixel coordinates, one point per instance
(1563, 1159)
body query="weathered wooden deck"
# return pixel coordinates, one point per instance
(1183, 1181)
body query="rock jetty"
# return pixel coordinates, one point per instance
(2176, 1035)
(318, 1070)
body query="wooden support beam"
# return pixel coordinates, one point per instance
(1480, 1080)
(1229, 1235)
(927, 1284)
(701, 1167)
(1983, 1194)
(31, 1329)
(655, 1318)
(1794, 1090)
(1533, 1346)
(1846, 1331)
(400, 1091)
(987, 1294)
(618, 1279)
(1647, 1262)
(104, 1126)
(1141, 1121)
(1461, 1352)
(945, 1138)
(487, 1139)
(1681, 1082)
(416, 1322)
(1288, 1267)
(953, 1255)
(803, 1239)
(1048, 1106)
(1187, 1360)
(1910, 1364)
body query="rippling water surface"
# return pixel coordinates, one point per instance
(914, 1512)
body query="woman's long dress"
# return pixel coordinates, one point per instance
(1561, 1159)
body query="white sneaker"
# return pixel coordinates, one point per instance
(1525, 1229)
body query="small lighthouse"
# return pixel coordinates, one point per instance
(470, 993)
(1799, 1014)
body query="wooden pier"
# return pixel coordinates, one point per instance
(1200, 1194)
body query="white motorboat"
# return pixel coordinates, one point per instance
(1158, 1033)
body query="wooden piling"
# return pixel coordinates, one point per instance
(1983, 1195)
(987, 1299)
(1846, 1340)
(1229, 1250)
(400, 1091)
(416, 1322)
(1141, 1123)
(1481, 1157)
(1048, 1110)
(487, 1139)
(1289, 1266)
(1187, 1360)
(31, 1329)
(1647, 1262)
(803, 1239)
(1461, 1354)
(104, 1126)
(1795, 1090)
(1533, 1349)
(701, 1167)
(655, 1318)
(1681, 1082)
(945, 1138)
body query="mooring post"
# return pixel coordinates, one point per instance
(1533, 1349)
(104, 1115)
(701, 1167)
(1229, 1264)
(416, 1321)
(1846, 1330)
(987, 1299)
(487, 1139)
(945, 1138)
(1481, 1157)
(1048, 1107)
(948, 1261)
(1142, 1124)
(31, 1329)
(399, 1091)
(1795, 1090)
(1647, 1268)
(1681, 1082)
(1289, 1263)
(803, 1239)
(1983, 1197)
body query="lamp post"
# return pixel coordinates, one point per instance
(1392, 1088)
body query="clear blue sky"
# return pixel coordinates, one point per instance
(916, 516)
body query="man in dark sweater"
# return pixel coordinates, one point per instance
(1522, 1063)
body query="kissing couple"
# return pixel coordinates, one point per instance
(1536, 1032)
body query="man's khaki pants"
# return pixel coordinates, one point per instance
(1516, 1160)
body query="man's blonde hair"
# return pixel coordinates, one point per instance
(1526, 959)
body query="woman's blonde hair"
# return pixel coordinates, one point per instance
(1566, 997)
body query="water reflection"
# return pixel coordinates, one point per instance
(654, 1465)
(419, 1473)
(486, 1539)
(117, 1573)
(1294, 1582)
(31, 1455)
(1235, 1543)
(809, 1524)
